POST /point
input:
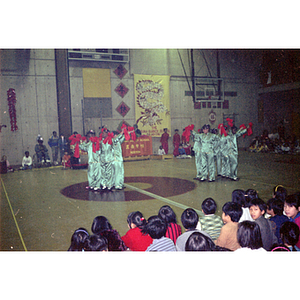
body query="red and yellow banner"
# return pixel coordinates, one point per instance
(152, 103)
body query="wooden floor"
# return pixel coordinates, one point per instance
(41, 208)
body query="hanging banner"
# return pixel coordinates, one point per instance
(152, 104)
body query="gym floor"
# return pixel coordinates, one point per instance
(41, 208)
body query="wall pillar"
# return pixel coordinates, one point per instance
(63, 92)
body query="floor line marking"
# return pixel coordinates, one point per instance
(162, 198)
(12, 212)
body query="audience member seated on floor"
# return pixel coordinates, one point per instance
(182, 153)
(210, 222)
(199, 242)
(102, 227)
(257, 209)
(249, 236)
(134, 239)
(96, 243)
(167, 214)
(66, 160)
(231, 215)
(275, 210)
(289, 233)
(238, 196)
(26, 161)
(291, 208)
(249, 195)
(189, 220)
(5, 166)
(161, 151)
(157, 228)
(78, 239)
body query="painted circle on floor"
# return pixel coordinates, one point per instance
(160, 186)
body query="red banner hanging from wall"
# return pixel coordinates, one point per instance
(12, 100)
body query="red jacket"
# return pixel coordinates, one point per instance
(135, 240)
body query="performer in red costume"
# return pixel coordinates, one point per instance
(164, 140)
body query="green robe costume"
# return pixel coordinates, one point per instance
(94, 172)
(225, 169)
(217, 154)
(207, 154)
(233, 152)
(106, 165)
(118, 161)
(197, 151)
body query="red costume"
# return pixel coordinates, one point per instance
(176, 143)
(164, 141)
(135, 240)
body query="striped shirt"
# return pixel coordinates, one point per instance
(173, 232)
(162, 244)
(211, 224)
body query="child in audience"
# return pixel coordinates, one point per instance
(238, 196)
(134, 239)
(189, 220)
(289, 233)
(66, 160)
(78, 239)
(102, 227)
(275, 210)
(161, 151)
(157, 228)
(257, 209)
(96, 243)
(167, 214)
(199, 242)
(291, 208)
(279, 192)
(26, 161)
(231, 215)
(210, 222)
(250, 194)
(249, 236)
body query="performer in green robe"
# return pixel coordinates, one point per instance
(217, 151)
(118, 160)
(93, 172)
(208, 140)
(233, 150)
(106, 159)
(225, 169)
(197, 150)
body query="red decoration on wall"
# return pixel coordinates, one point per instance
(123, 109)
(12, 99)
(120, 71)
(121, 90)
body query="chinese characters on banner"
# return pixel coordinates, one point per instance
(152, 104)
(141, 147)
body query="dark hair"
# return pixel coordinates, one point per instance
(289, 233)
(189, 219)
(249, 235)
(258, 202)
(155, 227)
(250, 194)
(96, 243)
(199, 242)
(167, 214)
(26, 152)
(206, 126)
(209, 206)
(276, 205)
(280, 192)
(78, 239)
(233, 210)
(137, 219)
(100, 223)
(238, 196)
(292, 200)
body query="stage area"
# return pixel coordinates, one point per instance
(41, 208)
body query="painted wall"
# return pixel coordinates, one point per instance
(36, 106)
